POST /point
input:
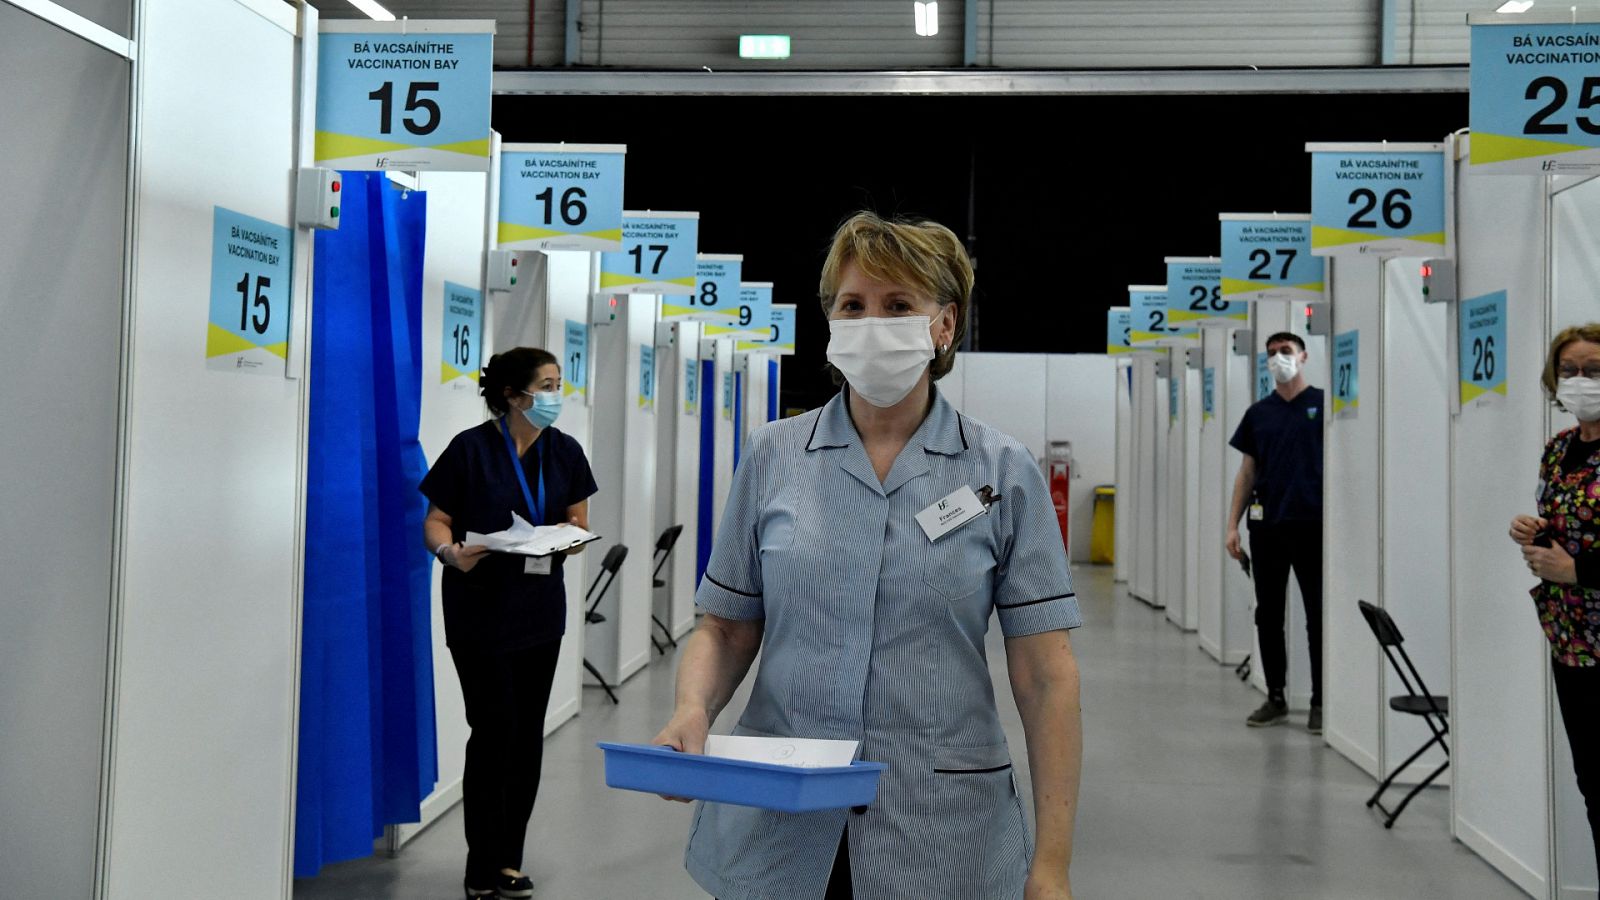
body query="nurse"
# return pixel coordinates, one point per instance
(857, 557)
(504, 615)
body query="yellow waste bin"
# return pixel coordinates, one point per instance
(1103, 537)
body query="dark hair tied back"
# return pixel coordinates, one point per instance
(514, 369)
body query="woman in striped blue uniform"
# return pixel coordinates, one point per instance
(870, 619)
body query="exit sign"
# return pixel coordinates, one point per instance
(763, 46)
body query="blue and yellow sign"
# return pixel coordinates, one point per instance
(647, 376)
(1263, 377)
(657, 255)
(781, 339)
(1346, 371)
(1377, 199)
(250, 285)
(404, 95)
(1267, 256)
(1482, 327)
(754, 322)
(1119, 330)
(1534, 89)
(1194, 295)
(1172, 392)
(561, 197)
(727, 395)
(716, 294)
(463, 336)
(1147, 304)
(1208, 393)
(575, 363)
(691, 387)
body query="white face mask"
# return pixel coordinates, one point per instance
(1283, 368)
(882, 358)
(1580, 396)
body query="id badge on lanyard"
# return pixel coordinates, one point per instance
(533, 565)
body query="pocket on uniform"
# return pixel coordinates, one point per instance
(958, 564)
(986, 760)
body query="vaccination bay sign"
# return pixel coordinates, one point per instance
(657, 255)
(1173, 402)
(1194, 295)
(1535, 101)
(715, 297)
(561, 197)
(250, 280)
(1263, 377)
(575, 360)
(404, 95)
(780, 337)
(1267, 256)
(1148, 306)
(647, 376)
(1346, 372)
(1377, 199)
(1119, 330)
(754, 322)
(691, 387)
(463, 336)
(1482, 326)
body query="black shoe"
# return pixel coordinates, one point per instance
(1314, 721)
(1272, 712)
(514, 886)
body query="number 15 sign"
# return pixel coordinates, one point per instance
(404, 95)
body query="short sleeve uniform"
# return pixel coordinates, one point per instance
(1285, 438)
(876, 634)
(497, 606)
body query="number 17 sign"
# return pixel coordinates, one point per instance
(404, 95)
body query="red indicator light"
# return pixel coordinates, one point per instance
(336, 187)
(613, 303)
(513, 262)
(1308, 312)
(1427, 271)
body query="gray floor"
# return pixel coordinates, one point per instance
(1179, 799)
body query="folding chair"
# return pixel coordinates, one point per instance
(664, 545)
(597, 592)
(1417, 701)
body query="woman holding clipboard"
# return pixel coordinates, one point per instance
(504, 615)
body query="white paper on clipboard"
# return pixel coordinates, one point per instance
(802, 753)
(532, 540)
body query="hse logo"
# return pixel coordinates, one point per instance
(943, 504)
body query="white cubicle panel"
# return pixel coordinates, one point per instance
(1149, 410)
(1235, 393)
(1122, 386)
(1168, 493)
(1187, 472)
(1575, 299)
(678, 468)
(720, 352)
(1221, 604)
(1499, 716)
(623, 512)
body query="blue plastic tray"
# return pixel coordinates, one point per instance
(662, 770)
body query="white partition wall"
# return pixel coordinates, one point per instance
(1122, 509)
(720, 351)
(1182, 520)
(457, 235)
(1148, 408)
(1574, 289)
(677, 470)
(623, 455)
(203, 718)
(1498, 707)
(1080, 408)
(1223, 623)
(1235, 393)
(66, 199)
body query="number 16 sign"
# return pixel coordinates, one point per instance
(561, 197)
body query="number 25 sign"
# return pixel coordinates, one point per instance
(1535, 102)
(404, 95)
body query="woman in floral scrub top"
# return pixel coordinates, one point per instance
(1568, 593)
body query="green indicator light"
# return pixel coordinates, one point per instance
(333, 212)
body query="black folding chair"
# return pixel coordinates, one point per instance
(664, 545)
(1417, 701)
(597, 592)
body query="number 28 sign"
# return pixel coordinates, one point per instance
(562, 197)
(1535, 102)
(404, 95)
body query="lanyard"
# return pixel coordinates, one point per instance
(536, 508)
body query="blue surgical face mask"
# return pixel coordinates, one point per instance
(545, 410)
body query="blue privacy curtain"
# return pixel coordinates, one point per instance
(367, 745)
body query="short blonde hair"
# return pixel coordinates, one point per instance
(920, 254)
(1589, 333)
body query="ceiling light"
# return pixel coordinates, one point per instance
(373, 10)
(763, 46)
(927, 18)
(1515, 6)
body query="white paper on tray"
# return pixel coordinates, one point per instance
(531, 540)
(803, 753)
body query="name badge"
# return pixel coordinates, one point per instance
(1257, 512)
(954, 511)
(537, 565)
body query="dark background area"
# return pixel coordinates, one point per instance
(1064, 200)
